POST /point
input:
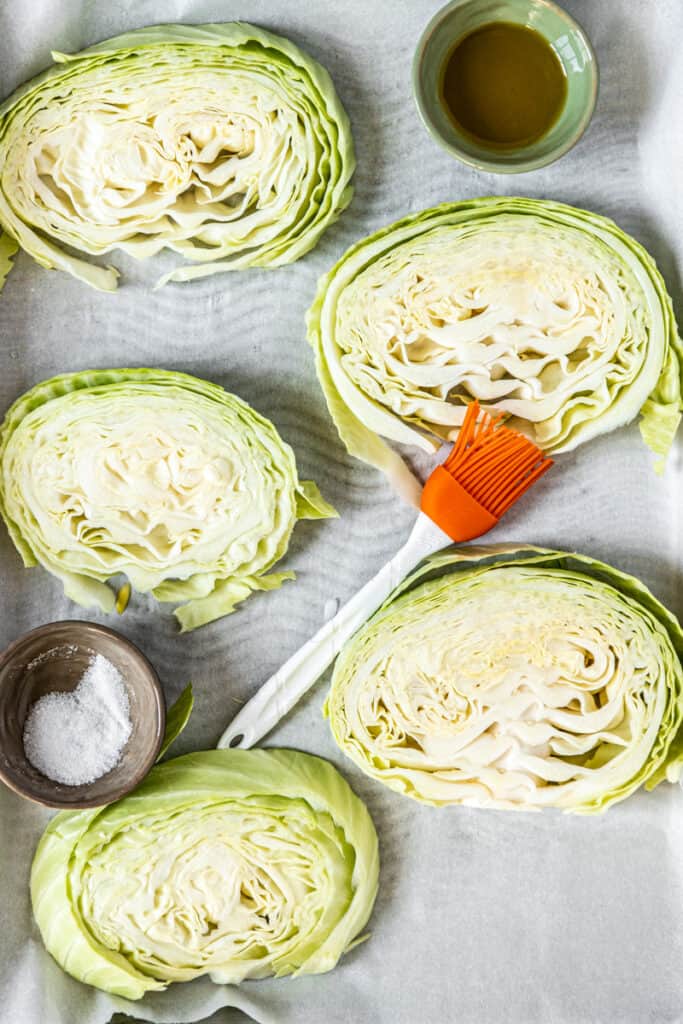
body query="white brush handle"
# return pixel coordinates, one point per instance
(282, 691)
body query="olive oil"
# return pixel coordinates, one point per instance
(503, 85)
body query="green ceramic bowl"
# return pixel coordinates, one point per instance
(571, 46)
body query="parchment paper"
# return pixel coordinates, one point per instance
(482, 916)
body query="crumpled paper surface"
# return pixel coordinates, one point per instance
(482, 916)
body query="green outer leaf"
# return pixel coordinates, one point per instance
(224, 598)
(209, 595)
(310, 88)
(666, 757)
(310, 503)
(200, 779)
(360, 419)
(358, 439)
(8, 250)
(177, 717)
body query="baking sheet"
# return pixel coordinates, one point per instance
(482, 916)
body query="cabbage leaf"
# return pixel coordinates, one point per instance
(233, 863)
(549, 314)
(514, 677)
(162, 477)
(224, 143)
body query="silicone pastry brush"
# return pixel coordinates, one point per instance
(489, 467)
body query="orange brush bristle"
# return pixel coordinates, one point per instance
(489, 467)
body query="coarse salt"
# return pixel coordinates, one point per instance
(77, 737)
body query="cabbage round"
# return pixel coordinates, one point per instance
(232, 863)
(514, 678)
(162, 477)
(224, 143)
(549, 314)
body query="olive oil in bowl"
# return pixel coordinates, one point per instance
(503, 85)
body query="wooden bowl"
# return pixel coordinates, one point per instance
(53, 658)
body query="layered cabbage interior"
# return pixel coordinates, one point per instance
(241, 889)
(207, 155)
(223, 143)
(164, 478)
(234, 864)
(516, 687)
(154, 484)
(535, 319)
